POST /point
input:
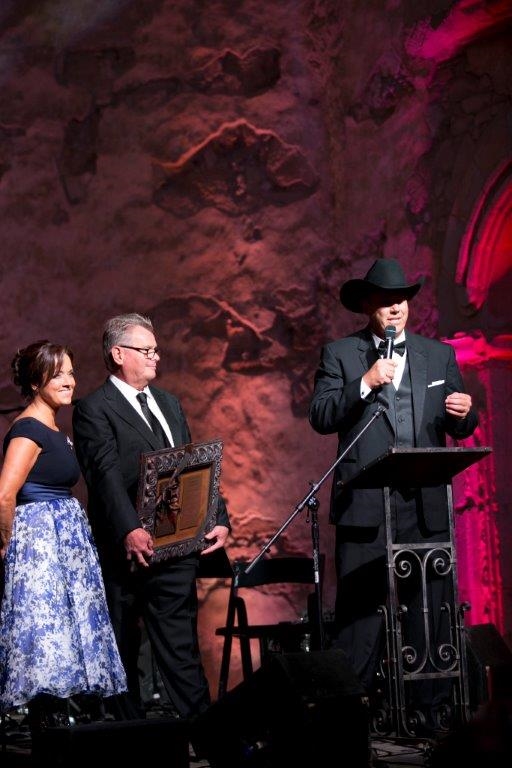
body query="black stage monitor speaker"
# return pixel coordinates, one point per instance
(489, 664)
(297, 708)
(126, 743)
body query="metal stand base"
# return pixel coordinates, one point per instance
(425, 646)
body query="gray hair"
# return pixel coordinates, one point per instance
(115, 332)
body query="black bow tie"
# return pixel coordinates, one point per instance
(398, 348)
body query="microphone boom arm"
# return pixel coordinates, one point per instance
(308, 499)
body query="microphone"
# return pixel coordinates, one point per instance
(390, 333)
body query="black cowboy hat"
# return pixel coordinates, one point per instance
(383, 275)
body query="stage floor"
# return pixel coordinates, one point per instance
(387, 754)
(15, 751)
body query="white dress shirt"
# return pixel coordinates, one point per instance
(130, 393)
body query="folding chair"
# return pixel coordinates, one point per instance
(278, 570)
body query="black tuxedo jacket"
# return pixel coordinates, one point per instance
(109, 438)
(337, 407)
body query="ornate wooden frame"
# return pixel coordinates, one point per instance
(177, 497)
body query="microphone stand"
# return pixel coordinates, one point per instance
(311, 502)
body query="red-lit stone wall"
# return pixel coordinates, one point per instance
(223, 167)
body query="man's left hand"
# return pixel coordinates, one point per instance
(458, 404)
(218, 536)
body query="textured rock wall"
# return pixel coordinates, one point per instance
(223, 167)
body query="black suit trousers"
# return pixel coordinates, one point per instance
(165, 597)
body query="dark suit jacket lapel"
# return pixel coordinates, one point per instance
(367, 352)
(127, 413)
(418, 370)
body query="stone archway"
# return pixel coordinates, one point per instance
(482, 276)
(485, 256)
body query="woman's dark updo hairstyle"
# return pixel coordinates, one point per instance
(34, 366)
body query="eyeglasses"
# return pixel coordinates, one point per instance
(148, 352)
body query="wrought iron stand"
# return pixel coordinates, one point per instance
(440, 652)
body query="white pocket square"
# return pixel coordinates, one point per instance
(435, 383)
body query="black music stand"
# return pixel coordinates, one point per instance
(420, 468)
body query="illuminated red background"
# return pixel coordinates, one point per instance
(224, 167)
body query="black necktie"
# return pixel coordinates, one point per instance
(153, 421)
(398, 348)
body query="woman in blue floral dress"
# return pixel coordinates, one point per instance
(56, 640)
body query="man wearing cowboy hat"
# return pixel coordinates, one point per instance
(422, 389)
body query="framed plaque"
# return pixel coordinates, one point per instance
(177, 497)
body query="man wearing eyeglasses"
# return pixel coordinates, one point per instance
(113, 426)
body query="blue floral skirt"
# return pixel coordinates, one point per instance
(55, 632)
